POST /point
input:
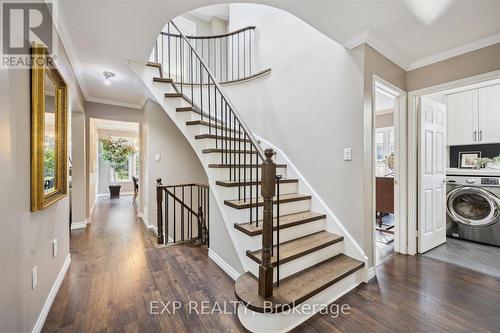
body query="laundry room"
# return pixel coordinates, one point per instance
(459, 175)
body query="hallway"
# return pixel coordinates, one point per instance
(116, 271)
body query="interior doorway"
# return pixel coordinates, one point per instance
(387, 168)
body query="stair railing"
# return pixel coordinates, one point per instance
(237, 147)
(229, 55)
(182, 213)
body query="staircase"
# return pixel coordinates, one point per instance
(295, 256)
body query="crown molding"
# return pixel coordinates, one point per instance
(465, 48)
(369, 37)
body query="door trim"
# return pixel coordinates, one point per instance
(412, 194)
(400, 231)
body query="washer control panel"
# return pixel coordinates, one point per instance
(490, 181)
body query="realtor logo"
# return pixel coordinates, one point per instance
(25, 23)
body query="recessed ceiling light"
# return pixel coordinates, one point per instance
(108, 76)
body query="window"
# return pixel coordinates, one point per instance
(384, 142)
(131, 168)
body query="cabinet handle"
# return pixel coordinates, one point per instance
(481, 135)
(474, 136)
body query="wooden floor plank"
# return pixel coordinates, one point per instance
(409, 294)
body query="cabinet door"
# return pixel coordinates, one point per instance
(489, 114)
(462, 118)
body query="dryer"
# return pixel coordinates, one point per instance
(473, 208)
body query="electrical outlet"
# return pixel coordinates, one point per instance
(157, 157)
(54, 248)
(34, 277)
(347, 154)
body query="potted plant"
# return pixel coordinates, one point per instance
(116, 154)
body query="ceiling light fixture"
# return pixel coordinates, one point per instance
(108, 76)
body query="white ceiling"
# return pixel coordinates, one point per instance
(208, 13)
(103, 35)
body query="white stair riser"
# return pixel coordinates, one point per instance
(232, 192)
(215, 158)
(207, 143)
(223, 173)
(204, 129)
(243, 215)
(254, 243)
(303, 262)
(165, 87)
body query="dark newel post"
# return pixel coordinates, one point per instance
(200, 222)
(267, 190)
(159, 211)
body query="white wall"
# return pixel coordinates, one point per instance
(26, 237)
(311, 105)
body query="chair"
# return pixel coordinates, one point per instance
(136, 188)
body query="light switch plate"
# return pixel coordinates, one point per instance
(54, 248)
(34, 277)
(157, 157)
(347, 154)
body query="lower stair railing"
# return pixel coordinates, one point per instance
(182, 213)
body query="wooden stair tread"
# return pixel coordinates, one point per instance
(236, 183)
(286, 221)
(242, 204)
(299, 247)
(297, 288)
(153, 64)
(173, 94)
(284, 198)
(162, 79)
(220, 137)
(221, 150)
(248, 165)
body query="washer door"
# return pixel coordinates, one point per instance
(473, 206)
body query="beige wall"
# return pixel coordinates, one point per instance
(26, 237)
(374, 64)
(469, 64)
(178, 165)
(79, 170)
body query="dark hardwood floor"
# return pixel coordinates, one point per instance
(116, 271)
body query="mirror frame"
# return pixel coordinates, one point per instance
(43, 64)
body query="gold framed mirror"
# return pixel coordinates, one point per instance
(48, 131)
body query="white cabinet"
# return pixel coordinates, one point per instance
(474, 116)
(489, 115)
(462, 118)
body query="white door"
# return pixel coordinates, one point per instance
(432, 175)
(489, 114)
(462, 118)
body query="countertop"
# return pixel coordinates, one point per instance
(472, 172)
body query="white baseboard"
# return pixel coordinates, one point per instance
(370, 274)
(52, 294)
(224, 265)
(79, 224)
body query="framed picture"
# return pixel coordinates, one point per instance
(467, 159)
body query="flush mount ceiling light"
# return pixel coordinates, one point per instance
(108, 76)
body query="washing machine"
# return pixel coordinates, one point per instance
(473, 208)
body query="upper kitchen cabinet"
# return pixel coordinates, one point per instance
(489, 115)
(474, 116)
(462, 118)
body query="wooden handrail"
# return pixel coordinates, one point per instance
(246, 129)
(212, 36)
